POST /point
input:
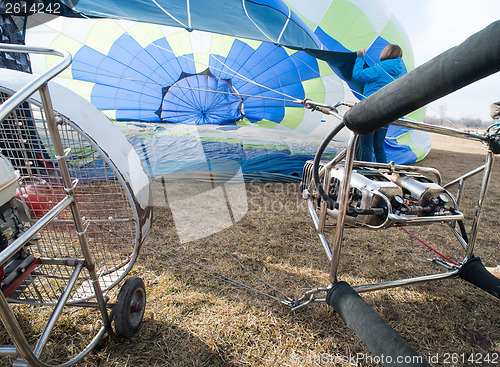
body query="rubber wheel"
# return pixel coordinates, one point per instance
(129, 308)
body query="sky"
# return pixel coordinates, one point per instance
(434, 26)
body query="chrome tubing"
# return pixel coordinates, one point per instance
(465, 176)
(460, 181)
(406, 219)
(25, 92)
(397, 167)
(440, 130)
(490, 159)
(33, 230)
(404, 282)
(8, 350)
(15, 333)
(57, 311)
(75, 211)
(322, 238)
(22, 347)
(343, 203)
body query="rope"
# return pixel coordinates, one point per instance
(410, 251)
(429, 247)
(234, 74)
(217, 275)
(170, 15)
(251, 272)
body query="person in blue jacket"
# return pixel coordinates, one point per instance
(376, 77)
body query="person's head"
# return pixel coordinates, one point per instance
(391, 52)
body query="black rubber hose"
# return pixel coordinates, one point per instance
(463, 231)
(474, 272)
(475, 58)
(380, 339)
(317, 160)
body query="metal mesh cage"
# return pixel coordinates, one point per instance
(104, 200)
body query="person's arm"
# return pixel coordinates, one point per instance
(364, 75)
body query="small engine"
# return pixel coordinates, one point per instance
(381, 198)
(12, 220)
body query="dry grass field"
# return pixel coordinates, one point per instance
(195, 317)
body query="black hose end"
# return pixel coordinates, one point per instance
(336, 287)
(495, 144)
(380, 339)
(474, 272)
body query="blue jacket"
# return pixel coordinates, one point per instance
(376, 76)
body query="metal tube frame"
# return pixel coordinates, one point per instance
(395, 167)
(81, 231)
(460, 181)
(333, 251)
(42, 341)
(343, 202)
(316, 221)
(490, 158)
(22, 348)
(19, 243)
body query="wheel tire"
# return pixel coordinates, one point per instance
(129, 308)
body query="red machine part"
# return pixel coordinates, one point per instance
(39, 196)
(9, 288)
